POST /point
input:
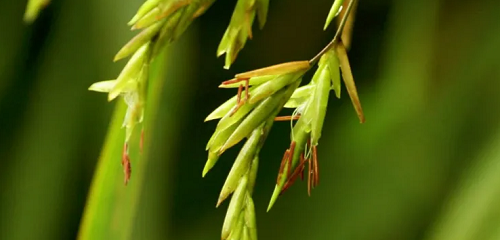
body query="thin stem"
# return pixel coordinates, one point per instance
(337, 34)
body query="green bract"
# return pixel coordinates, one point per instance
(161, 21)
(240, 28)
(311, 102)
(334, 11)
(243, 118)
(33, 9)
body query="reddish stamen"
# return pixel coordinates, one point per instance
(247, 89)
(240, 91)
(287, 118)
(238, 97)
(127, 169)
(234, 80)
(236, 108)
(292, 149)
(298, 171)
(316, 168)
(282, 166)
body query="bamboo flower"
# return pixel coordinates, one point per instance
(240, 28)
(266, 91)
(161, 22)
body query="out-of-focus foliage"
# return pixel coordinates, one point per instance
(423, 166)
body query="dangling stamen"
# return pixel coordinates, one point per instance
(240, 91)
(287, 118)
(316, 168)
(282, 166)
(141, 142)
(127, 169)
(298, 171)
(247, 89)
(238, 97)
(292, 149)
(235, 109)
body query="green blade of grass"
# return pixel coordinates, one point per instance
(112, 206)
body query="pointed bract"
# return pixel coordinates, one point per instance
(334, 11)
(349, 80)
(278, 69)
(139, 40)
(235, 208)
(241, 165)
(143, 10)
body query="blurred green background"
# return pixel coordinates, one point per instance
(425, 165)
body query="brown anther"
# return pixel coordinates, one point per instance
(141, 142)
(127, 169)
(247, 89)
(316, 168)
(238, 97)
(235, 109)
(299, 170)
(292, 149)
(282, 165)
(287, 118)
(239, 101)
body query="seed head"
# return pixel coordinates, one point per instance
(240, 28)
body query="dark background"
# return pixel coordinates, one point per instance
(425, 165)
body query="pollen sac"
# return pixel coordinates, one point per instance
(240, 28)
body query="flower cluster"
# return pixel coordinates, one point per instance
(250, 114)
(240, 28)
(161, 22)
(310, 102)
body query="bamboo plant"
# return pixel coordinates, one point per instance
(251, 113)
